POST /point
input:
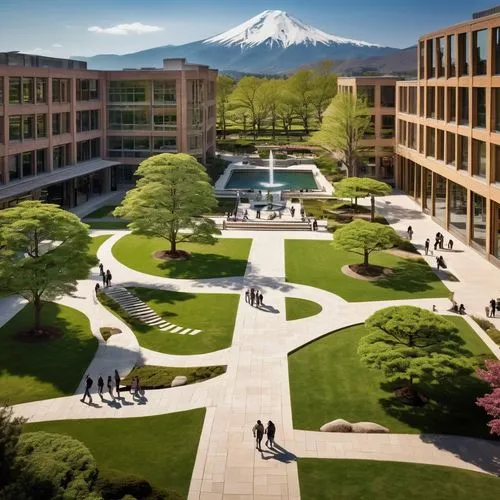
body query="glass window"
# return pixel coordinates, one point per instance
(440, 45)
(480, 48)
(129, 147)
(480, 107)
(368, 92)
(87, 90)
(129, 118)
(41, 90)
(165, 143)
(440, 103)
(165, 119)
(403, 103)
(421, 139)
(56, 124)
(1, 90)
(14, 166)
(431, 142)
(41, 161)
(427, 190)
(431, 102)
(440, 198)
(496, 226)
(388, 96)
(496, 51)
(28, 127)
(463, 97)
(14, 90)
(450, 148)
(129, 91)
(495, 92)
(452, 104)
(452, 62)
(440, 145)
(164, 91)
(479, 158)
(479, 220)
(421, 54)
(412, 135)
(15, 128)
(418, 182)
(28, 91)
(60, 90)
(28, 164)
(463, 54)
(463, 152)
(61, 156)
(431, 59)
(496, 159)
(412, 100)
(458, 208)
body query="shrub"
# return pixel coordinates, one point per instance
(406, 245)
(326, 163)
(236, 146)
(489, 328)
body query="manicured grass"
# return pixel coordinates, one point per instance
(157, 377)
(328, 381)
(318, 264)
(300, 308)
(105, 211)
(375, 480)
(161, 449)
(96, 242)
(228, 257)
(117, 224)
(31, 371)
(213, 314)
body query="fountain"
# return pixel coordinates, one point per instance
(271, 183)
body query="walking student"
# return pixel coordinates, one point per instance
(252, 296)
(88, 385)
(247, 296)
(97, 288)
(108, 278)
(261, 298)
(493, 307)
(110, 386)
(117, 383)
(427, 244)
(257, 298)
(270, 432)
(450, 244)
(410, 232)
(100, 386)
(258, 434)
(101, 269)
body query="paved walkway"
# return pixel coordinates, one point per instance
(256, 384)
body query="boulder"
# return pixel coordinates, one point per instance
(179, 380)
(338, 425)
(368, 427)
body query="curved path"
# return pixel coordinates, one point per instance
(256, 384)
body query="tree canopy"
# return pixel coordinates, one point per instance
(411, 345)
(44, 251)
(364, 238)
(173, 192)
(345, 123)
(491, 402)
(10, 431)
(225, 86)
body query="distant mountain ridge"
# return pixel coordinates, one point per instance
(272, 42)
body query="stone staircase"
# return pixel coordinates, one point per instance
(142, 312)
(268, 225)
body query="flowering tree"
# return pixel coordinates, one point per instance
(491, 402)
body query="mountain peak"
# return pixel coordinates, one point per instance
(278, 28)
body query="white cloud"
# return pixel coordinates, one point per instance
(40, 51)
(126, 29)
(57, 45)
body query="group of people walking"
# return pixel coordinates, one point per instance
(492, 309)
(438, 243)
(135, 386)
(254, 297)
(105, 276)
(258, 433)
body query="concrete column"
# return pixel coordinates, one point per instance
(72, 100)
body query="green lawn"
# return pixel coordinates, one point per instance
(117, 224)
(300, 308)
(328, 381)
(162, 449)
(318, 264)
(105, 211)
(96, 242)
(49, 369)
(228, 257)
(214, 314)
(374, 480)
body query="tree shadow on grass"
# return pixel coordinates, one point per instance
(204, 265)
(409, 276)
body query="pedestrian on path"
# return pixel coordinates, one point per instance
(315, 225)
(410, 232)
(441, 241)
(461, 309)
(258, 434)
(97, 289)
(493, 307)
(101, 269)
(247, 296)
(108, 278)
(427, 243)
(440, 262)
(292, 212)
(261, 298)
(270, 431)
(110, 386)
(436, 242)
(450, 244)
(133, 386)
(88, 385)
(117, 383)
(103, 279)
(100, 386)
(252, 296)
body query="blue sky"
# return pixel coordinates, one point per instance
(87, 27)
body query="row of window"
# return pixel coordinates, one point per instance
(132, 91)
(139, 147)
(450, 56)
(141, 118)
(387, 94)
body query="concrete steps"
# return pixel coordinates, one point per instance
(272, 225)
(141, 311)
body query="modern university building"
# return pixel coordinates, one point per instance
(68, 133)
(448, 131)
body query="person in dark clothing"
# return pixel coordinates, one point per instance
(258, 434)
(410, 232)
(103, 279)
(292, 212)
(261, 298)
(88, 385)
(100, 386)
(257, 298)
(108, 278)
(270, 431)
(461, 309)
(110, 386)
(440, 262)
(315, 225)
(450, 244)
(117, 383)
(252, 296)
(427, 243)
(97, 288)
(493, 307)
(441, 241)
(101, 269)
(247, 296)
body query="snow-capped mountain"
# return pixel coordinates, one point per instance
(276, 28)
(271, 42)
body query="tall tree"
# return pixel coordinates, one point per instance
(361, 187)
(412, 345)
(364, 238)
(240, 116)
(345, 123)
(246, 95)
(302, 87)
(173, 192)
(44, 251)
(491, 402)
(225, 86)
(271, 92)
(287, 107)
(324, 87)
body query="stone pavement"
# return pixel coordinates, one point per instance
(256, 384)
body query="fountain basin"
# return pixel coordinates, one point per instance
(284, 179)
